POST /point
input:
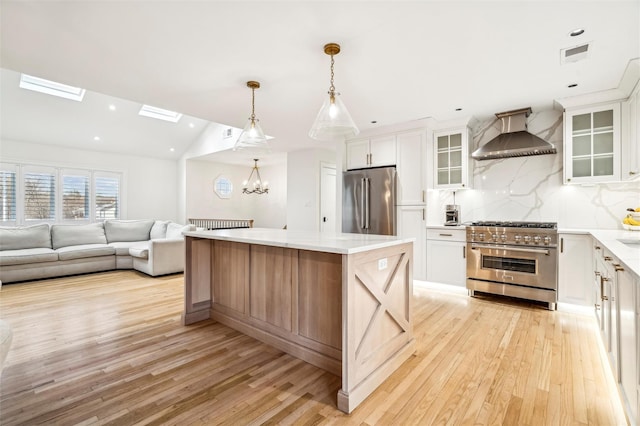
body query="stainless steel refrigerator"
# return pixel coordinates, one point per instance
(369, 201)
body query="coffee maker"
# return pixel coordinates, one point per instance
(452, 215)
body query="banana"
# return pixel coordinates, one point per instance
(638, 209)
(625, 220)
(632, 221)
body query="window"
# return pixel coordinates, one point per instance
(8, 190)
(223, 187)
(32, 193)
(39, 195)
(75, 196)
(107, 197)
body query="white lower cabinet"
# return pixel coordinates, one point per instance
(620, 324)
(446, 256)
(628, 339)
(411, 223)
(575, 269)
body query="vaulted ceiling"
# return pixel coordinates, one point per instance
(400, 61)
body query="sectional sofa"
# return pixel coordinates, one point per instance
(43, 251)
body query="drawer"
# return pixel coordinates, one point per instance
(447, 234)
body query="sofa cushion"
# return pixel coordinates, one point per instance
(159, 229)
(84, 251)
(25, 237)
(140, 251)
(127, 230)
(122, 247)
(175, 230)
(73, 235)
(24, 256)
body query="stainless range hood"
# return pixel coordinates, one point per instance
(514, 141)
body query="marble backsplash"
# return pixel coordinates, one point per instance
(531, 188)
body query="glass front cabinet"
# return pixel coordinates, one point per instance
(451, 157)
(592, 144)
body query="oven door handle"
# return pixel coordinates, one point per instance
(520, 249)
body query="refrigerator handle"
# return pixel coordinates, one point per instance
(362, 204)
(366, 194)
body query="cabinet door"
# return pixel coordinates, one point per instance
(592, 144)
(451, 159)
(446, 262)
(411, 223)
(627, 292)
(575, 270)
(411, 179)
(382, 151)
(631, 136)
(357, 154)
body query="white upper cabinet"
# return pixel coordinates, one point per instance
(631, 136)
(411, 176)
(592, 144)
(372, 152)
(451, 158)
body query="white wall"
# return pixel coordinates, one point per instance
(267, 210)
(150, 188)
(303, 187)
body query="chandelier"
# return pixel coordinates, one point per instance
(252, 137)
(333, 120)
(257, 185)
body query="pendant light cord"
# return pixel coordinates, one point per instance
(332, 88)
(253, 104)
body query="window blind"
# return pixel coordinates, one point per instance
(75, 197)
(8, 192)
(39, 196)
(107, 190)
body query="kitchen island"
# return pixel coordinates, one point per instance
(341, 302)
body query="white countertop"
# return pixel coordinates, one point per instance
(304, 240)
(628, 254)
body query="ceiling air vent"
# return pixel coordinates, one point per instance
(574, 54)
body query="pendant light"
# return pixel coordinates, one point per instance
(333, 121)
(252, 137)
(257, 185)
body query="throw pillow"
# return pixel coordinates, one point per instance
(127, 230)
(73, 235)
(23, 237)
(159, 229)
(175, 230)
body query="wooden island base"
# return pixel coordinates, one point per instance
(348, 313)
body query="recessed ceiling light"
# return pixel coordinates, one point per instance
(160, 114)
(172, 149)
(112, 107)
(96, 138)
(572, 85)
(51, 87)
(576, 32)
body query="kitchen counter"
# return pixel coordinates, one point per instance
(446, 227)
(341, 302)
(628, 254)
(304, 240)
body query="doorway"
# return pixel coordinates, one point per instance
(327, 197)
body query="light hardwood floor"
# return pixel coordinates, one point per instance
(109, 348)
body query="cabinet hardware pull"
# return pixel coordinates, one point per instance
(423, 196)
(597, 273)
(597, 306)
(632, 173)
(597, 247)
(423, 215)
(608, 258)
(446, 235)
(605, 298)
(618, 268)
(561, 245)
(464, 252)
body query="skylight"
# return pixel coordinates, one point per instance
(160, 114)
(51, 87)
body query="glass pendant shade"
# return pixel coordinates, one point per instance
(333, 121)
(252, 138)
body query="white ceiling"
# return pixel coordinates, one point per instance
(400, 61)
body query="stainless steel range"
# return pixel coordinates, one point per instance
(518, 259)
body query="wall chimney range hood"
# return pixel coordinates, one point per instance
(515, 140)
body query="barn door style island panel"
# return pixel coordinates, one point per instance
(341, 302)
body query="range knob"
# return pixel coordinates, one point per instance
(536, 239)
(503, 237)
(517, 238)
(473, 236)
(494, 237)
(547, 240)
(527, 238)
(481, 236)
